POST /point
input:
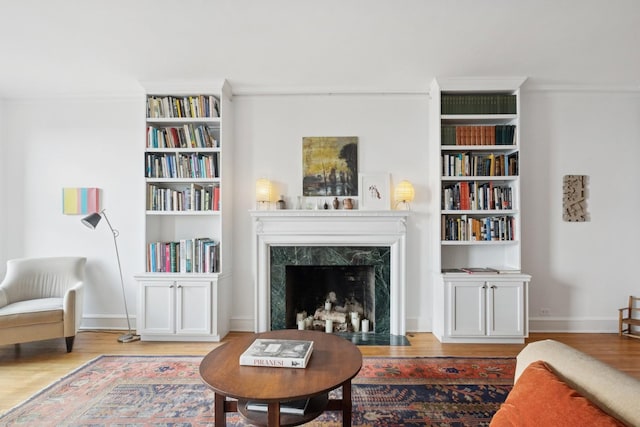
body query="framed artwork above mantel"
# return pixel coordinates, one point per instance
(330, 166)
(374, 191)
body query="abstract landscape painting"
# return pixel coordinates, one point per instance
(330, 166)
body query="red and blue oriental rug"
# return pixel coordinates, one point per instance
(167, 391)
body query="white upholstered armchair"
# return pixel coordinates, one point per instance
(41, 298)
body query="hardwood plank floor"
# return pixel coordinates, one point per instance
(28, 368)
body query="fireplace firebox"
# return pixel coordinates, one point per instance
(344, 295)
(319, 270)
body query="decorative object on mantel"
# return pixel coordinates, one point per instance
(281, 204)
(263, 193)
(574, 198)
(329, 166)
(404, 194)
(348, 203)
(92, 221)
(374, 191)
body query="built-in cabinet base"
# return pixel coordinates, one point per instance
(478, 308)
(183, 307)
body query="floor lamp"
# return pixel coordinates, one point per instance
(92, 221)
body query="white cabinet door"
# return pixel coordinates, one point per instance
(467, 308)
(506, 308)
(157, 308)
(193, 307)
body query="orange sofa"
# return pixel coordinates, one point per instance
(557, 385)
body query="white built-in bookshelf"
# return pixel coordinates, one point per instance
(184, 293)
(480, 292)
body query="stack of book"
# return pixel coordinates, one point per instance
(183, 106)
(277, 353)
(295, 407)
(478, 135)
(493, 103)
(184, 256)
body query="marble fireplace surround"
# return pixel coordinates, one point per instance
(330, 228)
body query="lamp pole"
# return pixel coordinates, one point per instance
(92, 221)
(129, 336)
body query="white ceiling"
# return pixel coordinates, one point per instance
(93, 47)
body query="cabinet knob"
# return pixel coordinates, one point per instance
(484, 286)
(493, 286)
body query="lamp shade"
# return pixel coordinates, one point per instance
(263, 190)
(92, 220)
(404, 192)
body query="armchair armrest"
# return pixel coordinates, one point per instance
(72, 305)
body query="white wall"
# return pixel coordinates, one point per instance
(392, 135)
(3, 204)
(56, 143)
(581, 271)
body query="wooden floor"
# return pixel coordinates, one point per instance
(27, 368)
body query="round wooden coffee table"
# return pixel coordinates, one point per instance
(333, 363)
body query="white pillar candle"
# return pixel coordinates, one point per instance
(301, 325)
(365, 325)
(308, 321)
(328, 325)
(355, 321)
(327, 306)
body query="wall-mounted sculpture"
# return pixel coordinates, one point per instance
(574, 198)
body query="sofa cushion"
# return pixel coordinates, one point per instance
(540, 398)
(31, 312)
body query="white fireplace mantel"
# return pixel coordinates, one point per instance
(330, 228)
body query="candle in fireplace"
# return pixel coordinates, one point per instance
(328, 326)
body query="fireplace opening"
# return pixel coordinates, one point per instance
(332, 298)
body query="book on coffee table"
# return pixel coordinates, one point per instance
(277, 353)
(295, 407)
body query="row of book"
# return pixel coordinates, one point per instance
(478, 135)
(200, 255)
(192, 198)
(480, 164)
(168, 107)
(490, 103)
(186, 136)
(464, 228)
(475, 196)
(182, 165)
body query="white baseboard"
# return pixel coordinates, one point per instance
(572, 324)
(106, 322)
(242, 324)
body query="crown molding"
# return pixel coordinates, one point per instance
(585, 88)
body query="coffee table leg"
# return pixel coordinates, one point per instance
(220, 416)
(346, 404)
(273, 414)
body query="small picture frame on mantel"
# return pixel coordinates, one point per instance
(374, 192)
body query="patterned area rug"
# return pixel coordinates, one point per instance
(167, 391)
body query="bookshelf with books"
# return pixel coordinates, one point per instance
(184, 293)
(480, 292)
